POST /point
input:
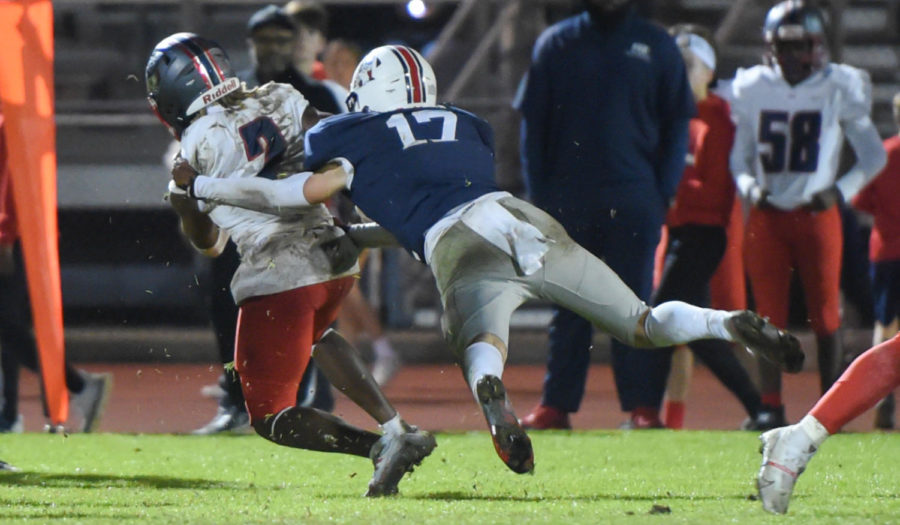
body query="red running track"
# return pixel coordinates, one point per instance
(167, 398)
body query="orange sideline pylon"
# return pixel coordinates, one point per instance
(26, 92)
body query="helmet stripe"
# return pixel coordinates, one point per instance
(421, 75)
(198, 65)
(415, 74)
(409, 97)
(216, 67)
(206, 66)
(203, 55)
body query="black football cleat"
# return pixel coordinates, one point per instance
(394, 456)
(765, 340)
(510, 440)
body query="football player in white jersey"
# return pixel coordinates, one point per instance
(792, 114)
(295, 267)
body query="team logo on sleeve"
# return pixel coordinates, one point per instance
(640, 51)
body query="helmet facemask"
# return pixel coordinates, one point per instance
(795, 36)
(800, 58)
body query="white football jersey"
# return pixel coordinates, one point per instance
(263, 137)
(789, 138)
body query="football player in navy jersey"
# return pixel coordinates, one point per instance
(425, 173)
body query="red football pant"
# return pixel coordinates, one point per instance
(778, 242)
(275, 334)
(872, 376)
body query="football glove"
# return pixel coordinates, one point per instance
(759, 198)
(824, 199)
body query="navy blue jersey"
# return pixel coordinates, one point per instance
(598, 106)
(411, 166)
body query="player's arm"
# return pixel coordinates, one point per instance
(857, 125)
(312, 116)
(259, 194)
(206, 146)
(742, 156)
(870, 157)
(676, 106)
(200, 230)
(672, 148)
(370, 235)
(533, 101)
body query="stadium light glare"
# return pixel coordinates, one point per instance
(417, 9)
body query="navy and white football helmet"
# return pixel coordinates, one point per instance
(186, 73)
(392, 77)
(794, 32)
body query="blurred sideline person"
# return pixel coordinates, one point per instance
(787, 450)
(340, 59)
(879, 199)
(311, 21)
(792, 113)
(696, 225)
(425, 173)
(605, 108)
(272, 36)
(89, 391)
(295, 268)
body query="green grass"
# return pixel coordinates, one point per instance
(582, 477)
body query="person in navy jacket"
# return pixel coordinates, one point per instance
(605, 109)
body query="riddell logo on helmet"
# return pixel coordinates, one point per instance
(217, 92)
(223, 89)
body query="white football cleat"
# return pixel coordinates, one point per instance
(385, 368)
(785, 453)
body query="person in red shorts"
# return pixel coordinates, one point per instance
(879, 199)
(696, 225)
(792, 114)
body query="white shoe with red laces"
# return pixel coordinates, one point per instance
(785, 453)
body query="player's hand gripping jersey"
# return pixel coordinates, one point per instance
(263, 137)
(789, 139)
(399, 184)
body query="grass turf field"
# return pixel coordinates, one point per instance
(581, 477)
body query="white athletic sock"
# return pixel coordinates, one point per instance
(815, 430)
(394, 426)
(481, 359)
(677, 322)
(382, 348)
